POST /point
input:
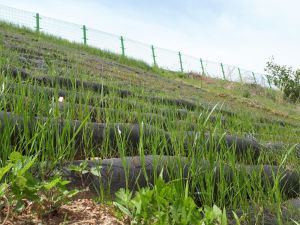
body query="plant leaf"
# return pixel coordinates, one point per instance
(19, 206)
(122, 209)
(27, 166)
(237, 219)
(53, 183)
(15, 156)
(4, 170)
(3, 188)
(96, 171)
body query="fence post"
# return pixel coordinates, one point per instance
(153, 55)
(202, 67)
(240, 74)
(254, 78)
(180, 61)
(37, 22)
(223, 71)
(122, 46)
(84, 35)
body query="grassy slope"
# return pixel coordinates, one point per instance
(256, 109)
(58, 57)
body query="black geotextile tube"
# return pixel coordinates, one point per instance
(267, 215)
(97, 102)
(285, 146)
(241, 146)
(158, 114)
(150, 117)
(69, 83)
(274, 125)
(282, 147)
(137, 172)
(74, 96)
(97, 133)
(154, 115)
(102, 105)
(278, 122)
(66, 82)
(100, 112)
(169, 101)
(78, 97)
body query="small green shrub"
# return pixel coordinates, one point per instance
(286, 79)
(19, 185)
(165, 204)
(271, 94)
(246, 94)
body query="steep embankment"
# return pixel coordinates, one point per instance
(63, 101)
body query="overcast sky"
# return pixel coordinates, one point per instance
(245, 33)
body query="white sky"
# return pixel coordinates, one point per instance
(245, 33)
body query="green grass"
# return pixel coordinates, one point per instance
(250, 104)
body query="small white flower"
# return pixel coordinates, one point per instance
(3, 88)
(119, 131)
(61, 99)
(195, 140)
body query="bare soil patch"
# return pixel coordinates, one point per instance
(77, 212)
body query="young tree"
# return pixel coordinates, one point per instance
(286, 79)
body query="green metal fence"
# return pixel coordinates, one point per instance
(163, 58)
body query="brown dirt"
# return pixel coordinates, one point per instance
(230, 85)
(206, 79)
(78, 212)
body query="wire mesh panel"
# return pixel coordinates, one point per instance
(264, 81)
(104, 41)
(247, 76)
(17, 17)
(69, 31)
(167, 59)
(261, 80)
(138, 51)
(231, 73)
(213, 69)
(191, 64)
(164, 58)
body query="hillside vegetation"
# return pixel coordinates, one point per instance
(194, 149)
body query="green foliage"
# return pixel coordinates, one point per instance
(165, 204)
(285, 79)
(246, 94)
(214, 216)
(20, 185)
